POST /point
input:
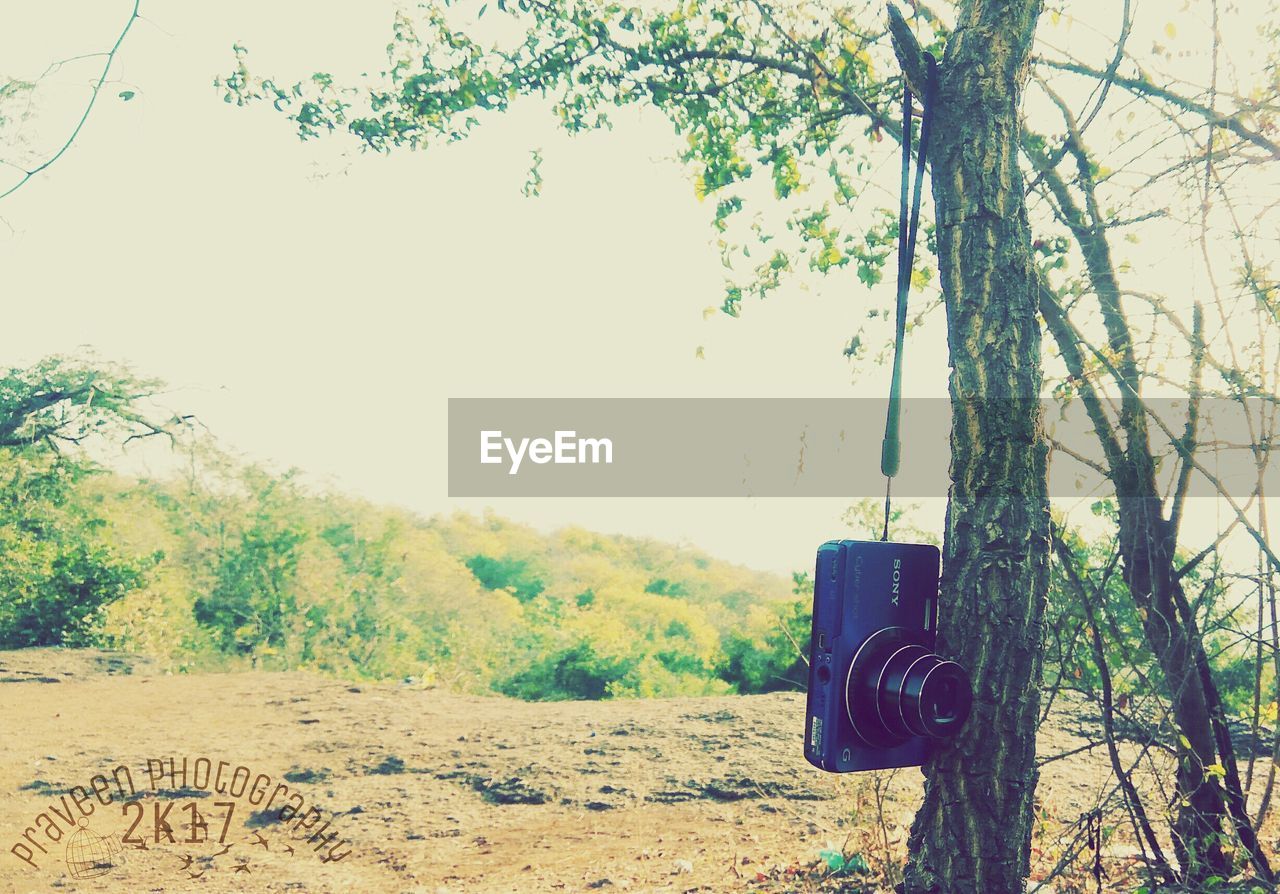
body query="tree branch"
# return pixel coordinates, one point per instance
(910, 56)
(1193, 419)
(93, 98)
(1141, 86)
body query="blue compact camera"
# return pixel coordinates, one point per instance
(878, 696)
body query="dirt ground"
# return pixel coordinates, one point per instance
(428, 791)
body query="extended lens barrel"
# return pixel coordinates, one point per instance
(935, 697)
(897, 689)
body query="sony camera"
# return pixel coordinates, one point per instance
(878, 696)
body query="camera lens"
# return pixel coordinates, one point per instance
(897, 689)
(935, 697)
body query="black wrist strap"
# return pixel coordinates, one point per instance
(891, 448)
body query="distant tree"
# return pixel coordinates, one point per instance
(58, 569)
(663, 587)
(506, 573)
(576, 671)
(253, 602)
(767, 653)
(61, 403)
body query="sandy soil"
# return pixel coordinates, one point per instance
(433, 792)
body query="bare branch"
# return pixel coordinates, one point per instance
(910, 56)
(1142, 86)
(93, 98)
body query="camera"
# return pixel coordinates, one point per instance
(878, 696)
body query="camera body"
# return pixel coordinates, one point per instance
(878, 696)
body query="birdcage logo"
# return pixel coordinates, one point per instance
(90, 855)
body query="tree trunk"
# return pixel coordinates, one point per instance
(1148, 575)
(972, 834)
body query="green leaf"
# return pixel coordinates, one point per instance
(127, 95)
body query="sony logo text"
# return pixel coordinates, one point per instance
(563, 448)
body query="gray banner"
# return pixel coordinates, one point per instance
(780, 447)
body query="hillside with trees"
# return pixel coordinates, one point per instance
(232, 566)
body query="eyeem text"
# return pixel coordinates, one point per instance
(563, 448)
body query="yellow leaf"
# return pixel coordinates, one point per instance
(1186, 743)
(1171, 29)
(865, 58)
(709, 312)
(699, 353)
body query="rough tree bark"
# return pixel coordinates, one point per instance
(972, 834)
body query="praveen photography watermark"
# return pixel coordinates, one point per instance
(197, 814)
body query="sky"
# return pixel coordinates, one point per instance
(317, 310)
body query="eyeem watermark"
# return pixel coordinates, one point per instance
(812, 447)
(564, 448)
(190, 804)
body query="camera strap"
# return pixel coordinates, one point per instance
(891, 448)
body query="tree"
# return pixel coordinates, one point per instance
(1115, 372)
(995, 548)
(63, 403)
(57, 569)
(799, 96)
(58, 572)
(253, 602)
(764, 653)
(752, 82)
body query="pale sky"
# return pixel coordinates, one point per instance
(316, 311)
